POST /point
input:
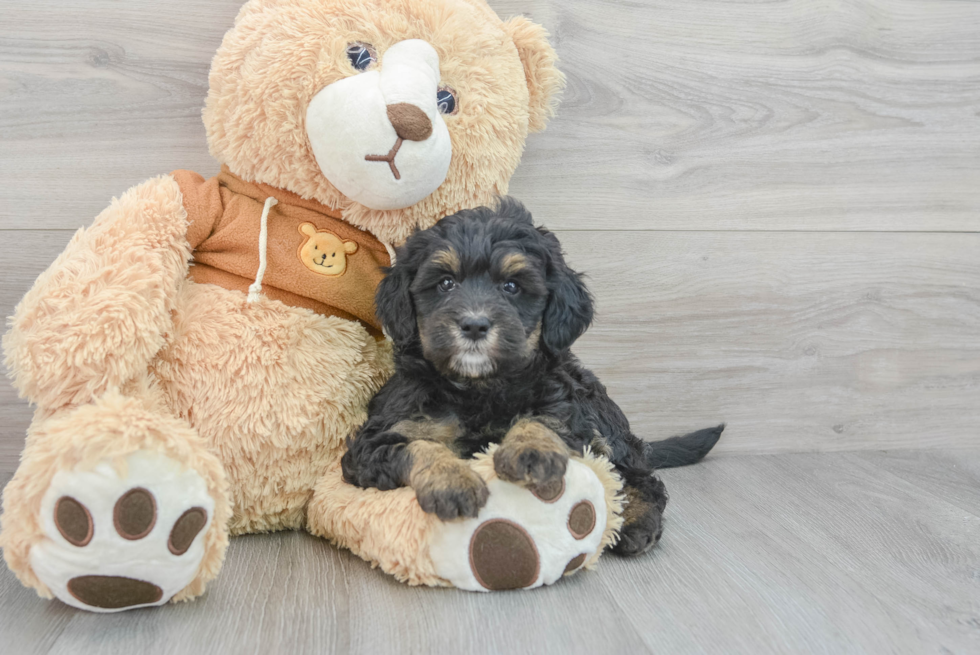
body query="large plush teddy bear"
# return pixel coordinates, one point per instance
(198, 355)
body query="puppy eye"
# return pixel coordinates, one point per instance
(447, 284)
(511, 287)
(361, 55)
(446, 100)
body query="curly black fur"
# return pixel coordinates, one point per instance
(491, 269)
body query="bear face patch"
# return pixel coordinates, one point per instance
(324, 252)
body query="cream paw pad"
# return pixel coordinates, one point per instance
(119, 537)
(525, 538)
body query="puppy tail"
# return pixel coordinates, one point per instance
(682, 451)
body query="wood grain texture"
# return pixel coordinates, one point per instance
(813, 341)
(724, 114)
(808, 553)
(774, 115)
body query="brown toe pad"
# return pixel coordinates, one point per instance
(581, 520)
(574, 563)
(135, 514)
(548, 492)
(113, 592)
(73, 521)
(185, 529)
(503, 556)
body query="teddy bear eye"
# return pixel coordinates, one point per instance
(361, 55)
(446, 100)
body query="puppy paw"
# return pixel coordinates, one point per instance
(530, 466)
(122, 537)
(451, 492)
(640, 533)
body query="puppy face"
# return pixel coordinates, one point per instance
(483, 292)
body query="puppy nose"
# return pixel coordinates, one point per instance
(475, 327)
(409, 121)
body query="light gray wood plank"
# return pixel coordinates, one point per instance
(801, 342)
(805, 554)
(578, 615)
(98, 96)
(952, 475)
(855, 115)
(808, 553)
(806, 114)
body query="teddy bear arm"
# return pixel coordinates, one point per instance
(96, 317)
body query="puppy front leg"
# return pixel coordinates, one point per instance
(444, 485)
(534, 455)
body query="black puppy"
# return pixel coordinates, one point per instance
(482, 310)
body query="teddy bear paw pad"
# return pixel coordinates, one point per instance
(119, 537)
(524, 538)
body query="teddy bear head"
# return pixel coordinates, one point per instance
(395, 112)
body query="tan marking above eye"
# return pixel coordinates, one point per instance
(512, 264)
(448, 258)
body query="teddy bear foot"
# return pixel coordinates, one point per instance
(524, 538)
(120, 537)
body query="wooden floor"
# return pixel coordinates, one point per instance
(875, 552)
(778, 206)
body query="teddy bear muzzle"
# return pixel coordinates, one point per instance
(378, 135)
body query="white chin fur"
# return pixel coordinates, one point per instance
(348, 120)
(472, 365)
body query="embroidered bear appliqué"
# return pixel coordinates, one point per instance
(324, 252)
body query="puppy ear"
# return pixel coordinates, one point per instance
(393, 304)
(569, 311)
(544, 80)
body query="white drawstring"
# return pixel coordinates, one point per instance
(391, 251)
(256, 288)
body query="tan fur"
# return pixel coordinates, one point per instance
(636, 506)
(435, 467)
(513, 263)
(448, 258)
(443, 431)
(387, 528)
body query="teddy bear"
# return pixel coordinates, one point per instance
(199, 355)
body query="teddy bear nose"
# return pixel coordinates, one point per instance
(409, 121)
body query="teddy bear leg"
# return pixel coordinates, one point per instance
(115, 505)
(519, 540)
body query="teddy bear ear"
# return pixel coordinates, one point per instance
(544, 80)
(350, 247)
(309, 229)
